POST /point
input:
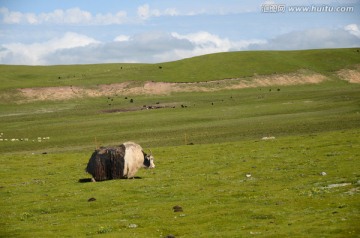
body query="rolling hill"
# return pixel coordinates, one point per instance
(197, 69)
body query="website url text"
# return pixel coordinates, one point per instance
(282, 8)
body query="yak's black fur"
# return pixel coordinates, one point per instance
(107, 163)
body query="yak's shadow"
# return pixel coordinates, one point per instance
(87, 180)
(84, 180)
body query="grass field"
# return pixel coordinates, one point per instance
(209, 153)
(197, 69)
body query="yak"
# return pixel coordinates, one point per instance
(119, 162)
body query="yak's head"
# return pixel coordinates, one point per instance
(148, 161)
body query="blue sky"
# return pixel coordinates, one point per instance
(42, 32)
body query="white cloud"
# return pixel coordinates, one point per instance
(312, 39)
(144, 12)
(71, 40)
(76, 16)
(353, 29)
(108, 19)
(73, 48)
(10, 17)
(35, 54)
(151, 47)
(206, 43)
(171, 12)
(72, 16)
(120, 38)
(203, 39)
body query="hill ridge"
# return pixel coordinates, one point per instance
(219, 66)
(163, 88)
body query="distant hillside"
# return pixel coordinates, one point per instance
(197, 69)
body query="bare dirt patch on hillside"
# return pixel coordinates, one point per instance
(163, 88)
(350, 75)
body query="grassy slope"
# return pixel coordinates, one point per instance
(317, 128)
(285, 196)
(209, 118)
(202, 68)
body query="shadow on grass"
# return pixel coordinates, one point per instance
(87, 180)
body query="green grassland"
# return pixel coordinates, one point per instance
(209, 154)
(197, 69)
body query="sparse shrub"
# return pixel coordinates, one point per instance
(104, 229)
(24, 216)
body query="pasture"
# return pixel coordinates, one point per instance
(210, 155)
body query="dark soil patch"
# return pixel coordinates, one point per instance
(177, 209)
(133, 109)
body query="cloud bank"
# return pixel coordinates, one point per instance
(144, 12)
(77, 16)
(348, 37)
(72, 16)
(37, 53)
(152, 47)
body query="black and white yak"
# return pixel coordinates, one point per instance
(120, 162)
